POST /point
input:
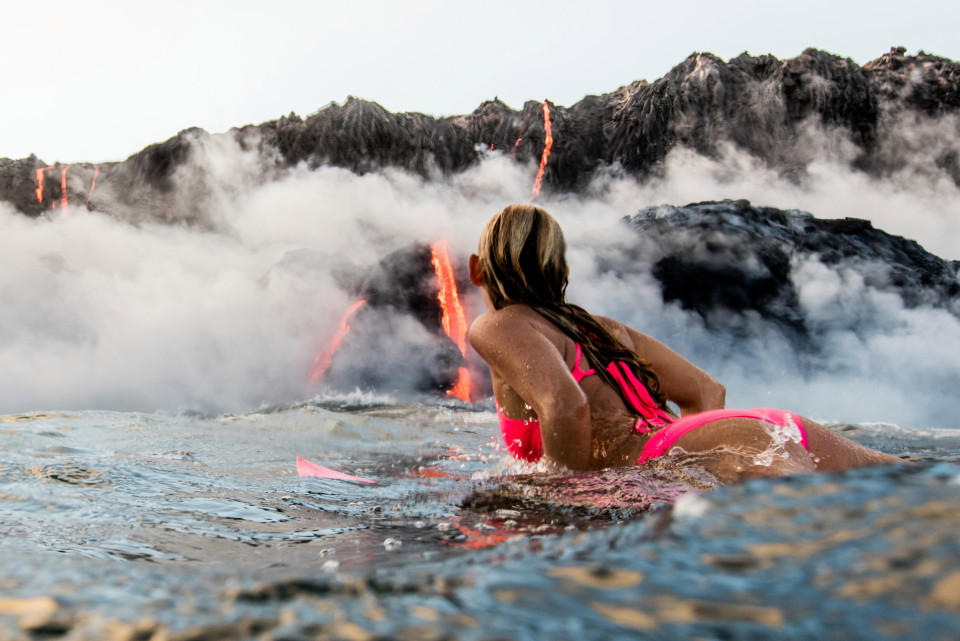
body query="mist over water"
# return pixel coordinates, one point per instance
(119, 312)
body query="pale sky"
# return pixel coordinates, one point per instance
(99, 80)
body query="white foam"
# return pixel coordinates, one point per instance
(691, 506)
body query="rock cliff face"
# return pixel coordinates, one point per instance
(761, 105)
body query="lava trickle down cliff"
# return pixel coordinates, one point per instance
(63, 200)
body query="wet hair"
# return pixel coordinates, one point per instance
(523, 261)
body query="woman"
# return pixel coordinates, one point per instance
(588, 392)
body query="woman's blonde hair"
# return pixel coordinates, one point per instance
(523, 261)
(523, 257)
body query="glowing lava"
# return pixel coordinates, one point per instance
(39, 191)
(322, 362)
(516, 145)
(93, 184)
(547, 144)
(63, 187)
(454, 319)
(41, 173)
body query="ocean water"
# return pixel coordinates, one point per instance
(155, 394)
(189, 526)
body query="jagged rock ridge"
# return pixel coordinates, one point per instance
(758, 104)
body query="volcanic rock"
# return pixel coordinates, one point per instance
(758, 104)
(724, 259)
(397, 339)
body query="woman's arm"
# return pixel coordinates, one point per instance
(691, 388)
(520, 355)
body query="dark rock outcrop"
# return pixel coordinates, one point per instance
(758, 104)
(402, 288)
(724, 259)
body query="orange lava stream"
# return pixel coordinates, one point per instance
(63, 187)
(462, 389)
(39, 191)
(322, 361)
(41, 173)
(454, 319)
(547, 144)
(516, 145)
(93, 184)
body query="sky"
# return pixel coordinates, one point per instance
(97, 81)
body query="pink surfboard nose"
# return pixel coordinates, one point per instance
(306, 468)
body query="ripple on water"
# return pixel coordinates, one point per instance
(230, 509)
(69, 473)
(31, 416)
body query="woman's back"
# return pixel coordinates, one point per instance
(613, 441)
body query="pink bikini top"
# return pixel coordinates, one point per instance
(522, 436)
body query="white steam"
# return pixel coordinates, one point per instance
(102, 313)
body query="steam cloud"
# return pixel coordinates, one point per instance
(228, 315)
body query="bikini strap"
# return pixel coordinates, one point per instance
(578, 373)
(639, 396)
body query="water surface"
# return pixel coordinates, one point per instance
(197, 526)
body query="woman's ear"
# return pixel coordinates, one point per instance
(476, 276)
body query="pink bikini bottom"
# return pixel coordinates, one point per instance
(662, 440)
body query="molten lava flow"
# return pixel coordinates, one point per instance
(454, 319)
(462, 389)
(322, 362)
(40, 185)
(93, 184)
(547, 144)
(41, 173)
(63, 187)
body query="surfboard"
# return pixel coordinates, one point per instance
(307, 468)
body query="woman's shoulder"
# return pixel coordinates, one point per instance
(510, 318)
(620, 331)
(506, 323)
